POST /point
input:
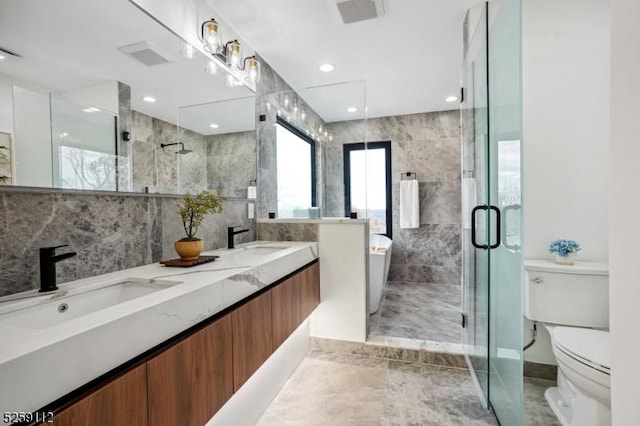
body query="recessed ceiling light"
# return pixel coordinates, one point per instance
(91, 109)
(451, 98)
(326, 67)
(213, 125)
(149, 99)
(352, 109)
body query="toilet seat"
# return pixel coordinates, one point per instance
(586, 346)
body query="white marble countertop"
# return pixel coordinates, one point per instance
(345, 220)
(41, 363)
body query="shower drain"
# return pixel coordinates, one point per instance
(63, 307)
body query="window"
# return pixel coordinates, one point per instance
(367, 181)
(296, 171)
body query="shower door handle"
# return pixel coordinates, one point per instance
(498, 228)
(473, 227)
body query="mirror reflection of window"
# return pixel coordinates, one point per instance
(509, 190)
(295, 171)
(368, 184)
(84, 142)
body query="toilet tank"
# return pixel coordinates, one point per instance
(576, 295)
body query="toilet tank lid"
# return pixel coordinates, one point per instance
(584, 268)
(592, 345)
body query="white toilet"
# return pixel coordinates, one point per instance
(573, 304)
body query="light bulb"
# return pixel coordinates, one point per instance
(233, 54)
(252, 69)
(210, 36)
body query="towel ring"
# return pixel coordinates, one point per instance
(408, 175)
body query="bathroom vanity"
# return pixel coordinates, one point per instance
(174, 355)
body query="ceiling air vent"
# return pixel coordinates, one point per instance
(147, 53)
(359, 10)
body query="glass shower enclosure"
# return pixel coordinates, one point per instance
(491, 119)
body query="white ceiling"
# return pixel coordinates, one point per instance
(73, 44)
(410, 57)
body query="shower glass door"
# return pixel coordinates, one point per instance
(505, 261)
(492, 227)
(475, 135)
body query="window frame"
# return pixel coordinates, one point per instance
(360, 146)
(300, 134)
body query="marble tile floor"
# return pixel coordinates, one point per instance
(537, 411)
(344, 389)
(425, 311)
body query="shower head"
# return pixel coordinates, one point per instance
(180, 152)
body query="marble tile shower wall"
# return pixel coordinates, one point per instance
(162, 170)
(231, 162)
(427, 144)
(109, 233)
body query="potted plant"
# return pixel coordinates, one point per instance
(565, 251)
(192, 210)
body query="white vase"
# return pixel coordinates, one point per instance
(569, 259)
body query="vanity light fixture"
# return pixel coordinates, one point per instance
(229, 54)
(326, 67)
(451, 98)
(352, 109)
(149, 99)
(213, 125)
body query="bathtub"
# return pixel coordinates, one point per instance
(379, 261)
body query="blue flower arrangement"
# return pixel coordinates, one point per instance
(563, 247)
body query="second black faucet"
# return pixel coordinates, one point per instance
(231, 233)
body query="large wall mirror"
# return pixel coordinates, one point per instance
(127, 108)
(302, 135)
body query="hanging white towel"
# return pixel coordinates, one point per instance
(409, 204)
(251, 210)
(252, 192)
(468, 200)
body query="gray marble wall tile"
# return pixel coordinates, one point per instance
(288, 231)
(440, 202)
(192, 167)
(124, 117)
(107, 232)
(231, 162)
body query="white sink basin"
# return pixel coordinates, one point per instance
(262, 250)
(61, 309)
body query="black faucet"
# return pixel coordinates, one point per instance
(48, 267)
(231, 233)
